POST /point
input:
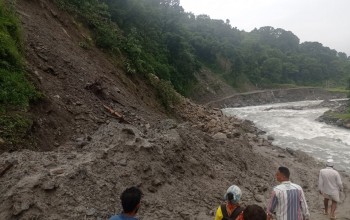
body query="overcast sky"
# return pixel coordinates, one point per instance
(324, 21)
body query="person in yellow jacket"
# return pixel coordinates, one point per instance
(231, 210)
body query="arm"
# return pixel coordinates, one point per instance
(272, 205)
(339, 183)
(304, 207)
(320, 183)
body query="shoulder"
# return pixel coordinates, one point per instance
(279, 187)
(296, 185)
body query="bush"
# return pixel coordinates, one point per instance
(165, 91)
(15, 90)
(14, 129)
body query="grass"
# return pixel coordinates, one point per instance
(341, 116)
(343, 90)
(16, 92)
(14, 130)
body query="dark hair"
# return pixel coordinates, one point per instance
(230, 196)
(130, 198)
(284, 171)
(254, 212)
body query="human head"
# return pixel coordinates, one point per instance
(130, 199)
(254, 212)
(233, 194)
(330, 163)
(282, 174)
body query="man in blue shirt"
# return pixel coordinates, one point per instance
(130, 200)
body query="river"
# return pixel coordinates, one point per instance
(298, 130)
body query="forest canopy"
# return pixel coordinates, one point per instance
(159, 37)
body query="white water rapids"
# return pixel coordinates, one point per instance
(298, 130)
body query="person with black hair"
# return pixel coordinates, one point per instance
(231, 210)
(130, 200)
(254, 212)
(288, 200)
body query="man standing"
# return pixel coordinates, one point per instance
(130, 200)
(288, 200)
(329, 185)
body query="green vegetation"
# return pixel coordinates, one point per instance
(15, 128)
(345, 116)
(159, 37)
(16, 92)
(343, 90)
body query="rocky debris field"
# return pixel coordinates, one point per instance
(178, 166)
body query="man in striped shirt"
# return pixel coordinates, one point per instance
(288, 200)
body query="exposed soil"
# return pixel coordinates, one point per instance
(76, 82)
(183, 165)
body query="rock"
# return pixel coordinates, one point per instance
(157, 182)
(2, 141)
(270, 138)
(220, 135)
(71, 156)
(91, 212)
(51, 71)
(251, 135)
(258, 198)
(347, 125)
(5, 167)
(152, 189)
(20, 207)
(291, 151)
(263, 188)
(50, 185)
(84, 143)
(123, 162)
(57, 171)
(81, 139)
(281, 156)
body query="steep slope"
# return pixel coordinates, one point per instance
(76, 82)
(183, 166)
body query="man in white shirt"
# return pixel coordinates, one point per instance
(330, 185)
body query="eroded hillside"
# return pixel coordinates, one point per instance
(180, 163)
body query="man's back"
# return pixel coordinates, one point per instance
(329, 181)
(288, 202)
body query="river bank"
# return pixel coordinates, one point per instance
(338, 116)
(275, 96)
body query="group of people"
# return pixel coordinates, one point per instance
(287, 200)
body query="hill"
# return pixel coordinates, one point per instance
(100, 130)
